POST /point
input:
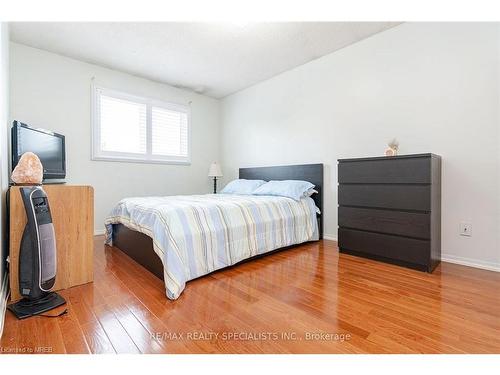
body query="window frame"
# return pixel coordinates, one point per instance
(99, 155)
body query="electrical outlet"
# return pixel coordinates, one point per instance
(466, 229)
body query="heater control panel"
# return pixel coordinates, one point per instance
(40, 204)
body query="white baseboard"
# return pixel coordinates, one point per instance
(99, 232)
(4, 295)
(330, 237)
(484, 265)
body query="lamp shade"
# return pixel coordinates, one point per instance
(214, 170)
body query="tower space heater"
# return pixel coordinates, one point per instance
(37, 257)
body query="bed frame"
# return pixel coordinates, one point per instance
(140, 247)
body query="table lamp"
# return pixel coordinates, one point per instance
(215, 172)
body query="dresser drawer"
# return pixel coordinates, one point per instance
(403, 171)
(398, 197)
(383, 245)
(411, 224)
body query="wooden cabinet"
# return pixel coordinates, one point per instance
(390, 209)
(72, 209)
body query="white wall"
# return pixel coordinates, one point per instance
(433, 86)
(4, 111)
(53, 92)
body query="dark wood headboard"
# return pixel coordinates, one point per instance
(306, 172)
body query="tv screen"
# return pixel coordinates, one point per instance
(47, 145)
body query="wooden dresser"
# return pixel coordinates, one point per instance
(72, 210)
(390, 209)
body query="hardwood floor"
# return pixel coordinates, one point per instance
(281, 303)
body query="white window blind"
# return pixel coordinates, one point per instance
(131, 128)
(170, 132)
(123, 125)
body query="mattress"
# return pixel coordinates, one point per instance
(195, 235)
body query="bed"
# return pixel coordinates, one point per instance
(180, 238)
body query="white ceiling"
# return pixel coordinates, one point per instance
(216, 59)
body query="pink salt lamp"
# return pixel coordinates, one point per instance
(29, 170)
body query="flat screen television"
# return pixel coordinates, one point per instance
(47, 145)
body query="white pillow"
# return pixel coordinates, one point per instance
(242, 186)
(310, 192)
(294, 189)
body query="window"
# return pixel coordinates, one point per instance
(131, 128)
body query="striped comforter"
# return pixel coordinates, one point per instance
(197, 234)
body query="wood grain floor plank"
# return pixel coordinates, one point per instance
(9, 339)
(71, 331)
(93, 333)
